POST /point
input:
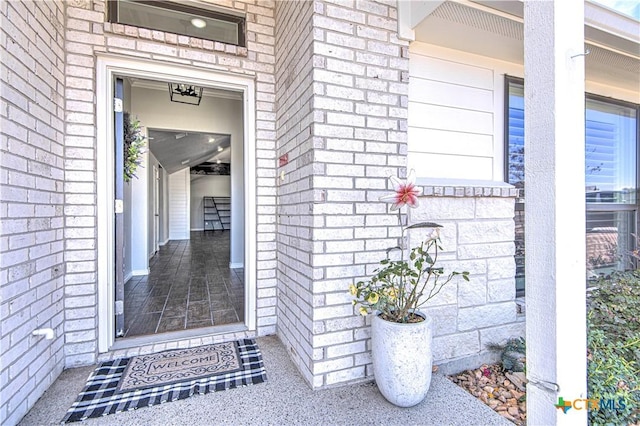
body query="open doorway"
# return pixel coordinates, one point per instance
(181, 270)
(243, 187)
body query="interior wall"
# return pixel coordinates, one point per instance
(217, 115)
(179, 189)
(206, 186)
(153, 162)
(164, 207)
(139, 218)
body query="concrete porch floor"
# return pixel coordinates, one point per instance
(283, 399)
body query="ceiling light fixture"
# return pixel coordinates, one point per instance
(220, 149)
(198, 23)
(185, 93)
(212, 140)
(185, 162)
(218, 161)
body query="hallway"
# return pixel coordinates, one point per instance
(189, 286)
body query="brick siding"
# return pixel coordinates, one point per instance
(331, 94)
(346, 135)
(294, 118)
(32, 214)
(88, 34)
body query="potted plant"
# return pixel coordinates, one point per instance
(400, 333)
(134, 145)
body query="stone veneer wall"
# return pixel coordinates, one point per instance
(477, 236)
(31, 214)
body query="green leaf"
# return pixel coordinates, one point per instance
(423, 225)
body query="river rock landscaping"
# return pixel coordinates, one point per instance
(501, 390)
(501, 386)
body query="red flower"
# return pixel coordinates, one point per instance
(405, 193)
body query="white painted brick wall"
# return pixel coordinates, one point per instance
(332, 84)
(32, 179)
(294, 88)
(49, 183)
(356, 80)
(88, 34)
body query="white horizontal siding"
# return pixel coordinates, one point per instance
(440, 166)
(429, 67)
(451, 94)
(451, 142)
(455, 110)
(439, 117)
(179, 205)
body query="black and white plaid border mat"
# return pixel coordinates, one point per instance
(100, 396)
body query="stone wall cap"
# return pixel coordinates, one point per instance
(434, 187)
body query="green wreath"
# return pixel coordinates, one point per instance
(134, 144)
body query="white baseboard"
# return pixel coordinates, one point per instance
(140, 272)
(128, 276)
(197, 229)
(236, 265)
(164, 242)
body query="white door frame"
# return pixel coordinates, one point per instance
(156, 208)
(107, 67)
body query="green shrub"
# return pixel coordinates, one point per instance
(613, 340)
(512, 354)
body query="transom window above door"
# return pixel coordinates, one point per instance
(185, 18)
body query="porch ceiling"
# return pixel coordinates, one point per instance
(498, 32)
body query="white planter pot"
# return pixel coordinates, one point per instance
(402, 359)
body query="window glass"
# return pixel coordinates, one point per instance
(515, 170)
(515, 135)
(179, 18)
(611, 141)
(610, 153)
(609, 240)
(519, 242)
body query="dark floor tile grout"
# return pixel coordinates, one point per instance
(206, 256)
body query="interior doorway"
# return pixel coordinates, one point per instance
(160, 236)
(155, 238)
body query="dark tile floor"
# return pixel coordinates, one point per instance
(190, 285)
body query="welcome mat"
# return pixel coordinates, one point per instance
(175, 366)
(131, 383)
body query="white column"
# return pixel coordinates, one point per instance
(555, 209)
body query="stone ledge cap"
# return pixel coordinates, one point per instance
(466, 188)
